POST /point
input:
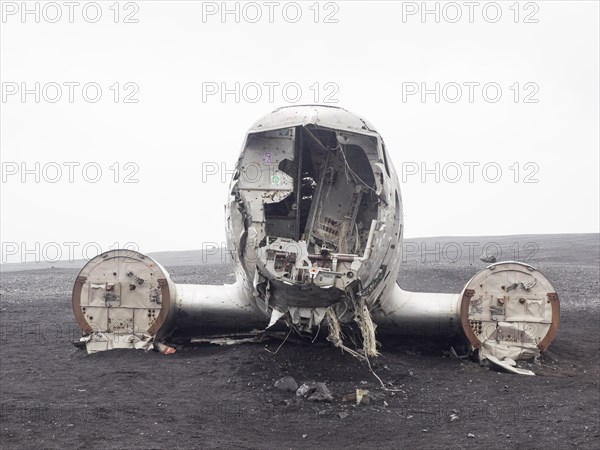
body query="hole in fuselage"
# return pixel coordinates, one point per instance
(333, 198)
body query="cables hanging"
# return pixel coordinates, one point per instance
(341, 149)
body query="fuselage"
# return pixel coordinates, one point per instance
(314, 215)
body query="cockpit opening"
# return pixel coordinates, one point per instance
(333, 197)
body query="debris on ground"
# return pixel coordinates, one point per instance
(315, 392)
(165, 349)
(510, 361)
(507, 365)
(361, 396)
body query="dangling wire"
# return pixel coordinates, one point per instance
(336, 338)
(280, 345)
(341, 149)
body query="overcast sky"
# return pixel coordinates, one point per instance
(516, 112)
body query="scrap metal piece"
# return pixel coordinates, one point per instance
(102, 341)
(275, 316)
(507, 366)
(164, 349)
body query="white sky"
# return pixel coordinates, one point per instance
(368, 54)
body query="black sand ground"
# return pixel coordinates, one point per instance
(56, 396)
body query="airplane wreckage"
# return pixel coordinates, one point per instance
(315, 235)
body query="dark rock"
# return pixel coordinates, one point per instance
(287, 384)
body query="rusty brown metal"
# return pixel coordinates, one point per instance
(464, 318)
(77, 287)
(544, 343)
